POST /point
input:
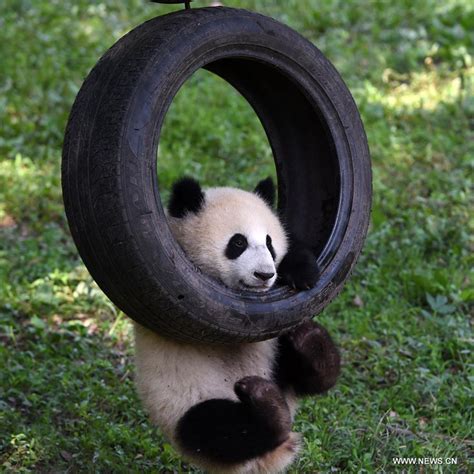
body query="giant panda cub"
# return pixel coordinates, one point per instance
(229, 408)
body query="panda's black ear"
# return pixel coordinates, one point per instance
(186, 196)
(266, 190)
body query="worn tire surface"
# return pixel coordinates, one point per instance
(111, 190)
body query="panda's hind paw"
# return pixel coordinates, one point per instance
(256, 390)
(266, 401)
(317, 361)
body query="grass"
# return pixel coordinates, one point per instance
(404, 321)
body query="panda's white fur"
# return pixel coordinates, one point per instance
(228, 211)
(174, 376)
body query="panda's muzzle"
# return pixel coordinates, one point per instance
(264, 276)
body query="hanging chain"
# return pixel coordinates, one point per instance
(187, 3)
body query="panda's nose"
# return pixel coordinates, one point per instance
(263, 276)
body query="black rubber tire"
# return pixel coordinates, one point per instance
(110, 185)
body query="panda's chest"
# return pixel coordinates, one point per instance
(211, 372)
(247, 359)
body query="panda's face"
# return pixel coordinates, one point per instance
(231, 234)
(251, 263)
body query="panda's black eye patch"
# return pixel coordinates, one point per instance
(270, 247)
(236, 246)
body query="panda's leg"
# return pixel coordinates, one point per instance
(227, 432)
(307, 360)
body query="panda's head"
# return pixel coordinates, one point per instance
(230, 234)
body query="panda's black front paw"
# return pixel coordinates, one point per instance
(299, 268)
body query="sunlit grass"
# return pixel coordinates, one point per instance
(425, 90)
